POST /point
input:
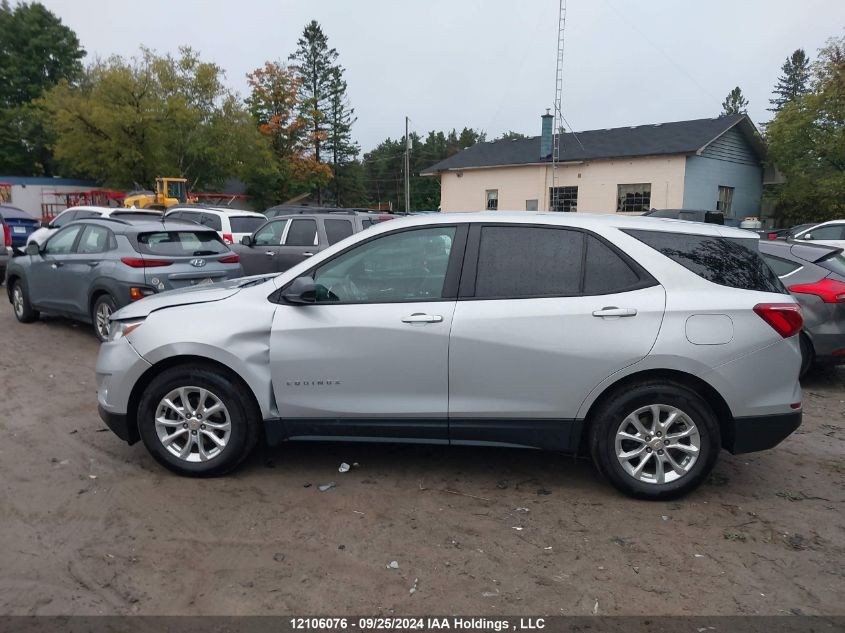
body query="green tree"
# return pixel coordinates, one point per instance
(793, 82)
(36, 52)
(510, 136)
(735, 103)
(127, 122)
(314, 62)
(806, 142)
(339, 144)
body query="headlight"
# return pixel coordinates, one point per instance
(122, 328)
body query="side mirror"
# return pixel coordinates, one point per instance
(45, 224)
(33, 249)
(303, 290)
(246, 240)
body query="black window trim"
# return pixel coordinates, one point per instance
(470, 266)
(450, 282)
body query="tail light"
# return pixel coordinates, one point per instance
(830, 290)
(227, 238)
(140, 262)
(231, 259)
(7, 236)
(772, 236)
(785, 318)
(383, 218)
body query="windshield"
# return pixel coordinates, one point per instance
(181, 243)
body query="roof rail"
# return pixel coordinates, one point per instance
(102, 219)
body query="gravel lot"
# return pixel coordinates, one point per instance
(92, 526)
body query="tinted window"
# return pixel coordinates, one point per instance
(213, 221)
(302, 233)
(181, 243)
(524, 261)
(95, 239)
(835, 264)
(271, 234)
(64, 218)
(735, 263)
(245, 223)
(191, 216)
(405, 266)
(337, 230)
(367, 223)
(830, 232)
(606, 271)
(62, 242)
(780, 266)
(83, 215)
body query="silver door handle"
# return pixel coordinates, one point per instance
(613, 311)
(419, 317)
(307, 254)
(269, 253)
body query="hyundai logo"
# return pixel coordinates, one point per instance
(198, 262)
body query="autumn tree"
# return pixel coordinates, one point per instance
(793, 82)
(36, 52)
(735, 103)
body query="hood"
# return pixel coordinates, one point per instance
(187, 296)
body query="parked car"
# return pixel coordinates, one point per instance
(648, 344)
(287, 240)
(72, 214)
(830, 233)
(17, 224)
(90, 268)
(368, 217)
(691, 215)
(815, 275)
(230, 224)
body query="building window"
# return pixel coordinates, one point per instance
(531, 205)
(492, 199)
(633, 197)
(563, 199)
(725, 201)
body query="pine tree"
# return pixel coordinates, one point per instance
(339, 143)
(735, 103)
(793, 82)
(313, 62)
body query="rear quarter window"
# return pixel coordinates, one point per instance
(735, 263)
(245, 223)
(181, 243)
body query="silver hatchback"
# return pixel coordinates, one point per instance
(90, 268)
(648, 344)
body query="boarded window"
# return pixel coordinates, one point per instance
(635, 197)
(563, 199)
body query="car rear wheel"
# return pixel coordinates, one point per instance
(656, 440)
(807, 354)
(195, 421)
(20, 303)
(101, 313)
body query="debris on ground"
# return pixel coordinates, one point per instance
(328, 486)
(278, 557)
(344, 468)
(393, 565)
(523, 510)
(730, 535)
(307, 484)
(797, 542)
(413, 588)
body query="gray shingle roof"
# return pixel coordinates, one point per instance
(678, 137)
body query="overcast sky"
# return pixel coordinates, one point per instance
(490, 64)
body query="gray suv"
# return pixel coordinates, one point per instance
(90, 268)
(648, 344)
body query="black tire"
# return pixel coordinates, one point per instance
(20, 304)
(106, 303)
(243, 416)
(808, 356)
(609, 416)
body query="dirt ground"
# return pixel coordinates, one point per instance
(89, 525)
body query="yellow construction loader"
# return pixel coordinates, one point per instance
(169, 191)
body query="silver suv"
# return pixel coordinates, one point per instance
(648, 344)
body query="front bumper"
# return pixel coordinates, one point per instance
(758, 433)
(119, 367)
(119, 425)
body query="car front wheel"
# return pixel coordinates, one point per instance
(195, 421)
(656, 440)
(20, 303)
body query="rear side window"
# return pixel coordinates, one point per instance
(525, 261)
(302, 233)
(95, 239)
(181, 243)
(780, 266)
(605, 271)
(213, 221)
(835, 264)
(735, 263)
(64, 218)
(337, 230)
(245, 223)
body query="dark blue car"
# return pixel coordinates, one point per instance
(17, 226)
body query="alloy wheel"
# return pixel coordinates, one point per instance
(657, 444)
(193, 424)
(17, 300)
(104, 312)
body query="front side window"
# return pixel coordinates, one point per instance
(526, 261)
(271, 234)
(735, 263)
(302, 233)
(633, 197)
(62, 242)
(95, 239)
(492, 199)
(563, 199)
(405, 266)
(725, 201)
(829, 232)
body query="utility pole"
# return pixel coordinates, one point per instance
(407, 169)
